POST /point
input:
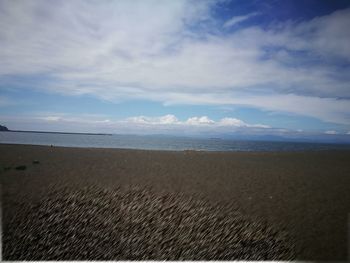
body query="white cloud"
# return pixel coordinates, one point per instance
(232, 121)
(238, 19)
(121, 50)
(50, 118)
(170, 119)
(138, 124)
(327, 109)
(199, 120)
(65, 118)
(166, 119)
(239, 123)
(331, 132)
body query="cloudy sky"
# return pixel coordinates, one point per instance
(176, 66)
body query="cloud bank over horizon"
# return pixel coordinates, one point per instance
(178, 53)
(196, 126)
(136, 123)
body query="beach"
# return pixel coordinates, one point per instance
(296, 204)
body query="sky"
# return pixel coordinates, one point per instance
(182, 67)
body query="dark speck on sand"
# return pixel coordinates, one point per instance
(21, 167)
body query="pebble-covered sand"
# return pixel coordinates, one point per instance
(137, 224)
(283, 204)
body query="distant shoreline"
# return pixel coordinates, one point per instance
(184, 151)
(239, 138)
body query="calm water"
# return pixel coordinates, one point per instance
(157, 142)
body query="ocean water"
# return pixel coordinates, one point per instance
(158, 142)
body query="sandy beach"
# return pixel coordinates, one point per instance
(85, 203)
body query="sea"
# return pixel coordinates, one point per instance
(159, 142)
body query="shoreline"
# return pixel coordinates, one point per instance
(304, 193)
(187, 150)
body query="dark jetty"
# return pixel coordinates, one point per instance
(3, 128)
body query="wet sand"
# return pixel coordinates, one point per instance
(266, 205)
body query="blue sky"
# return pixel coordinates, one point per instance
(176, 67)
